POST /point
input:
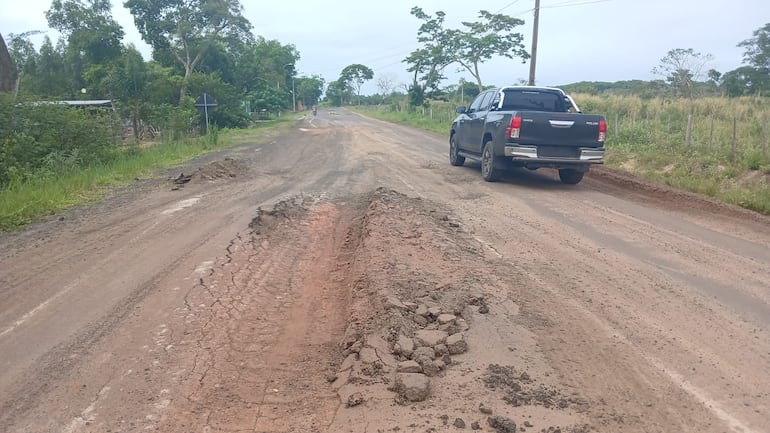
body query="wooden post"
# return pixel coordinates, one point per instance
(617, 124)
(711, 133)
(764, 136)
(735, 134)
(688, 133)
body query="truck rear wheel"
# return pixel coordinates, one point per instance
(488, 159)
(454, 149)
(570, 176)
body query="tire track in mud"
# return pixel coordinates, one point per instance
(266, 323)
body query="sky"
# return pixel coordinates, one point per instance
(579, 40)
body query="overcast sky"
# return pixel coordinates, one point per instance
(580, 40)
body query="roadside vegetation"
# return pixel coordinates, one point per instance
(66, 181)
(87, 112)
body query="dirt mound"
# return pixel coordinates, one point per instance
(227, 168)
(284, 212)
(424, 302)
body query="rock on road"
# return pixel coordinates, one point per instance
(341, 276)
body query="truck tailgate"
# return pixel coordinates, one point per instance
(560, 130)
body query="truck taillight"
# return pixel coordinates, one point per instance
(514, 129)
(602, 131)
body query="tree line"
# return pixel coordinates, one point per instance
(197, 46)
(684, 73)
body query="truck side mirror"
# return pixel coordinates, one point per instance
(461, 110)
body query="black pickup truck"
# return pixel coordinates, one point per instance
(526, 126)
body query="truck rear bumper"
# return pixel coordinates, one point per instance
(583, 155)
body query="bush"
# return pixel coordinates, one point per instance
(753, 159)
(44, 137)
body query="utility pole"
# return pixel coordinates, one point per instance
(293, 95)
(533, 59)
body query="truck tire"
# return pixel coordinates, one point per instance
(570, 176)
(488, 160)
(454, 148)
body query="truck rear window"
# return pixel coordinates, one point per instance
(532, 101)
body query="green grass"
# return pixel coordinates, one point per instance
(23, 202)
(439, 123)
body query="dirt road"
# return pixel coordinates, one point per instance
(343, 277)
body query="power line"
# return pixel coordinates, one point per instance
(507, 6)
(573, 3)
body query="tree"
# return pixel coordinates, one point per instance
(337, 91)
(356, 75)
(492, 36)
(681, 68)
(757, 52)
(88, 27)
(428, 62)
(309, 89)
(745, 80)
(754, 77)
(128, 81)
(263, 64)
(49, 81)
(187, 28)
(23, 55)
(385, 84)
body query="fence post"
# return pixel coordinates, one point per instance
(764, 136)
(735, 133)
(688, 133)
(711, 134)
(617, 124)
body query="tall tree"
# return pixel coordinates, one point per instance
(681, 69)
(336, 92)
(128, 82)
(263, 64)
(385, 84)
(754, 76)
(356, 75)
(88, 27)
(49, 81)
(745, 80)
(757, 52)
(428, 62)
(492, 35)
(187, 28)
(309, 89)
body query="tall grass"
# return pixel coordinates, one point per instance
(728, 155)
(26, 200)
